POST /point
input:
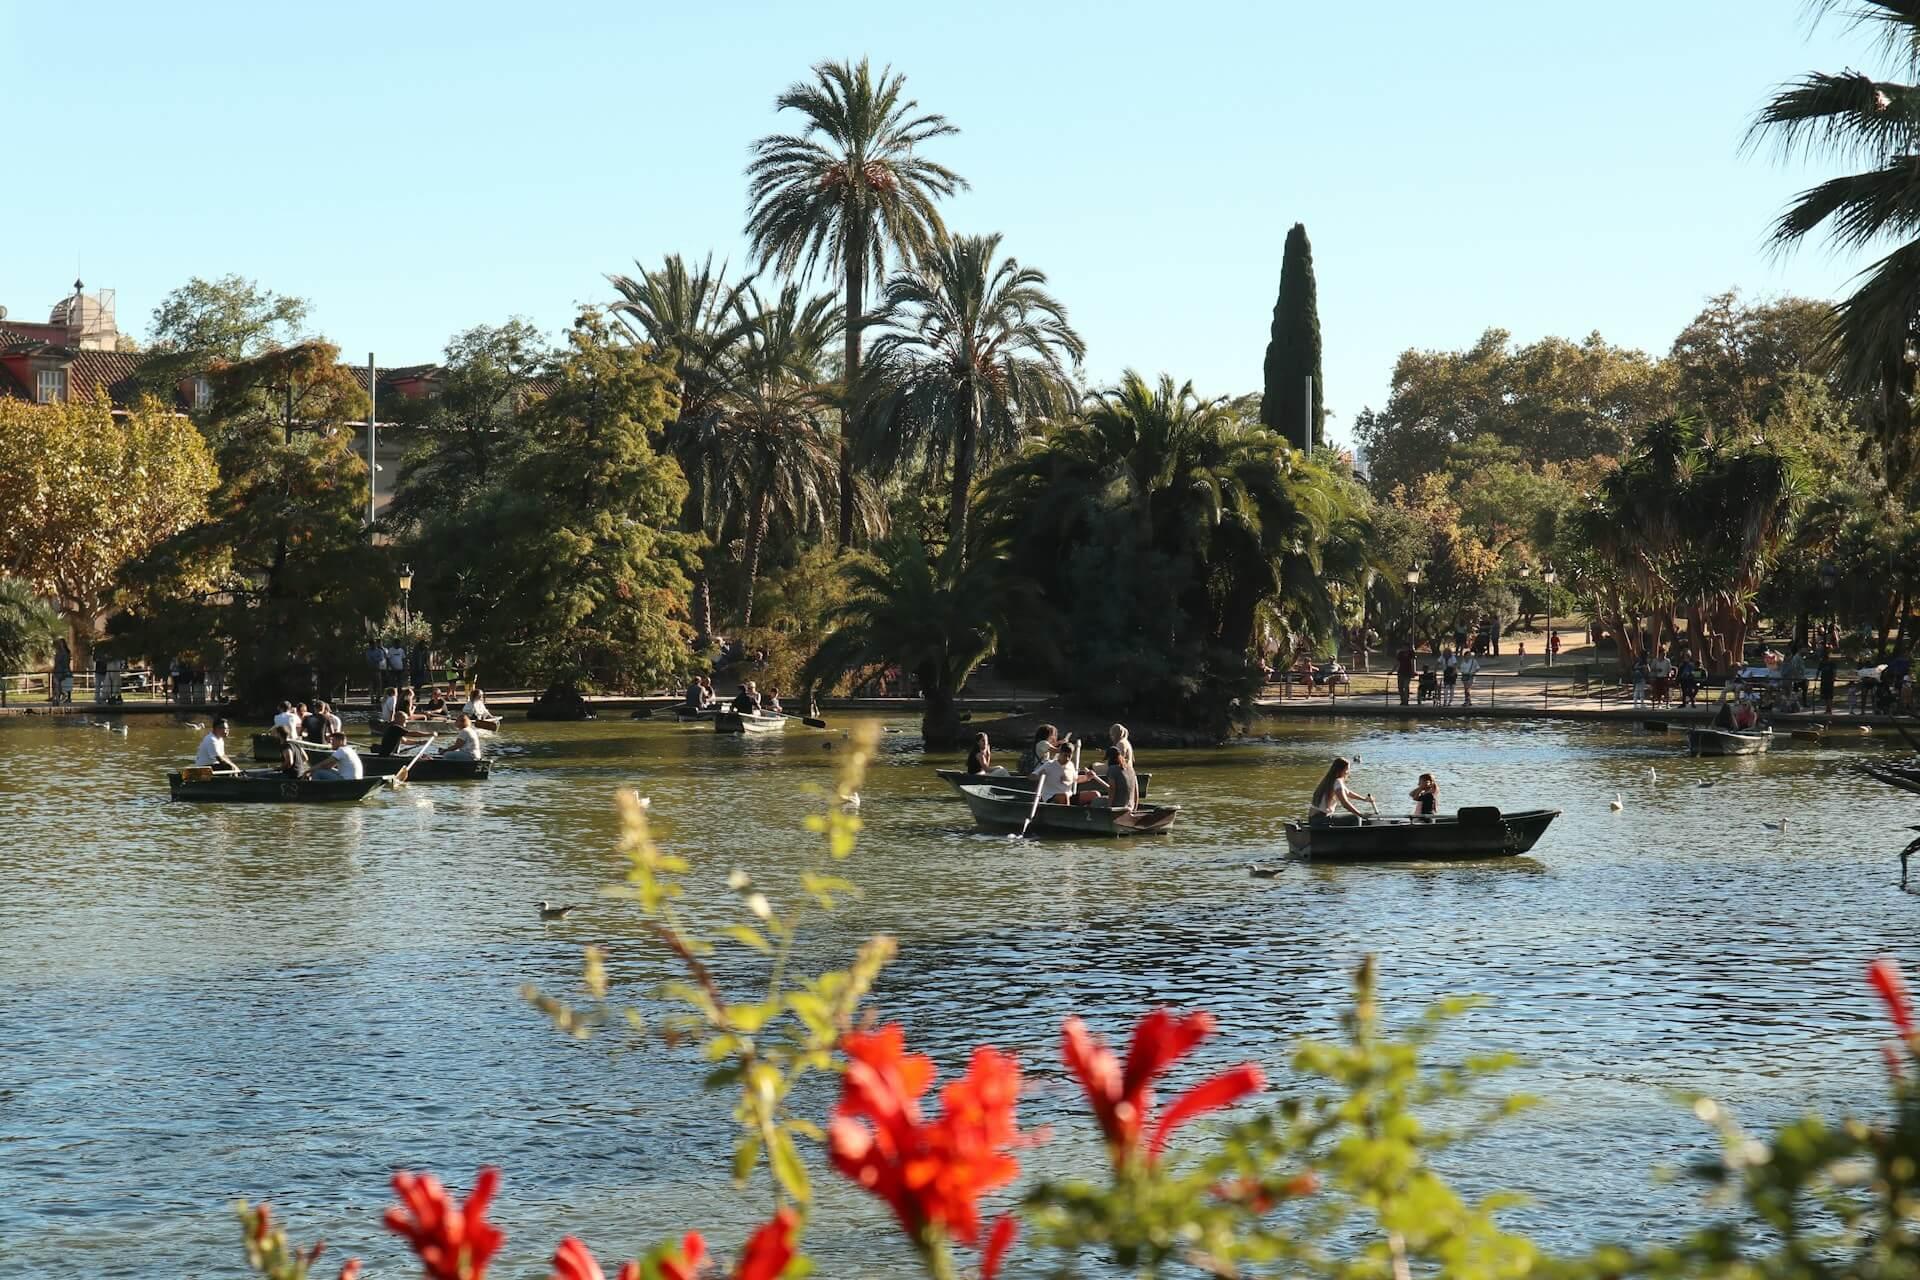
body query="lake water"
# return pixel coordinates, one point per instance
(202, 1003)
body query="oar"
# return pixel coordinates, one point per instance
(1035, 806)
(395, 781)
(812, 719)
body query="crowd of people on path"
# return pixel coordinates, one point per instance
(1051, 761)
(1454, 676)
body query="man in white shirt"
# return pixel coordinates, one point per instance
(213, 750)
(346, 761)
(389, 706)
(285, 719)
(466, 742)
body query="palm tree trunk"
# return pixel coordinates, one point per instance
(756, 534)
(963, 448)
(850, 416)
(702, 609)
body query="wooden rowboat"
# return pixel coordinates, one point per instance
(751, 722)
(1479, 832)
(430, 768)
(693, 715)
(266, 788)
(1727, 742)
(1002, 809)
(1008, 781)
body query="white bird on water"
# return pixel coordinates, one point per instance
(1617, 803)
(1653, 774)
(551, 912)
(851, 802)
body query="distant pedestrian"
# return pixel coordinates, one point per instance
(99, 676)
(1449, 676)
(1828, 670)
(1403, 667)
(60, 687)
(1640, 682)
(1469, 668)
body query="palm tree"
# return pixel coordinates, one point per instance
(774, 449)
(1857, 119)
(974, 348)
(938, 617)
(843, 194)
(700, 318)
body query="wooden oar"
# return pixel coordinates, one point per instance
(1034, 808)
(395, 781)
(812, 719)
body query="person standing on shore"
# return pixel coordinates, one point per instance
(1403, 667)
(1640, 682)
(1469, 668)
(1828, 670)
(1449, 676)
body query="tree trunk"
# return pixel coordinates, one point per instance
(756, 534)
(851, 414)
(965, 441)
(702, 609)
(939, 716)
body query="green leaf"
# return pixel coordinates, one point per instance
(749, 935)
(787, 1167)
(745, 1156)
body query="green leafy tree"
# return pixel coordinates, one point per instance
(845, 194)
(1293, 350)
(937, 616)
(28, 625)
(470, 425)
(208, 321)
(279, 578)
(974, 348)
(566, 565)
(1854, 118)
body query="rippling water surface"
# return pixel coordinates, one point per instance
(202, 1003)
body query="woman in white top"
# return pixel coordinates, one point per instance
(1333, 791)
(466, 742)
(477, 705)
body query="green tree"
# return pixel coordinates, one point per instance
(566, 566)
(776, 454)
(1855, 118)
(937, 616)
(279, 577)
(1553, 400)
(28, 625)
(844, 194)
(974, 348)
(1736, 363)
(231, 318)
(489, 377)
(699, 319)
(1293, 350)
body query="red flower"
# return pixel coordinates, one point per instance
(572, 1261)
(930, 1173)
(350, 1269)
(452, 1242)
(999, 1239)
(770, 1249)
(1884, 974)
(688, 1263)
(1122, 1098)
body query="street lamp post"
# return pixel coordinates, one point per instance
(1413, 607)
(406, 593)
(1366, 618)
(1547, 579)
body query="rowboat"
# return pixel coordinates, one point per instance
(1007, 781)
(263, 787)
(748, 722)
(1003, 809)
(1476, 832)
(430, 768)
(1727, 742)
(693, 715)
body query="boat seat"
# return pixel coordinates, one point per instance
(1334, 820)
(1479, 815)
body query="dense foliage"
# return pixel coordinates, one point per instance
(1293, 350)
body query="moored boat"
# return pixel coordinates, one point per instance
(750, 722)
(1003, 809)
(1727, 742)
(1474, 832)
(1008, 781)
(264, 787)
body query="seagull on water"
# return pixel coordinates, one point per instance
(1653, 774)
(1616, 804)
(551, 912)
(851, 802)
(1775, 826)
(1263, 872)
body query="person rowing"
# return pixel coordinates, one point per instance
(1426, 797)
(1059, 782)
(213, 750)
(344, 763)
(1333, 791)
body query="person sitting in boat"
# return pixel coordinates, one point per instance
(466, 741)
(1333, 791)
(1426, 797)
(213, 750)
(696, 695)
(395, 736)
(980, 759)
(436, 704)
(332, 721)
(476, 708)
(1060, 783)
(293, 759)
(313, 725)
(746, 702)
(1745, 717)
(285, 719)
(770, 704)
(389, 707)
(1039, 751)
(344, 763)
(1123, 787)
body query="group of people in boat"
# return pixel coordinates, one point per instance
(1334, 794)
(1050, 761)
(301, 728)
(748, 701)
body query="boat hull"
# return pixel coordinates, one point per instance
(267, 789)
(1471, 833)
(738, 722)
(1726, 742)
(430, 769)
(1001, 809)
(1013, 781)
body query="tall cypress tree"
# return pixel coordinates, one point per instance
(1293, 352)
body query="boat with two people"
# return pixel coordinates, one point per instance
(1335, 830)
(1735, 730)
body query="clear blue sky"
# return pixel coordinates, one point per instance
(417, 168)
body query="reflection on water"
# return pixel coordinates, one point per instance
(202, 1003)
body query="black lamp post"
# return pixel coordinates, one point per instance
(1547, 579)
(1413, 607)
(406, 593)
